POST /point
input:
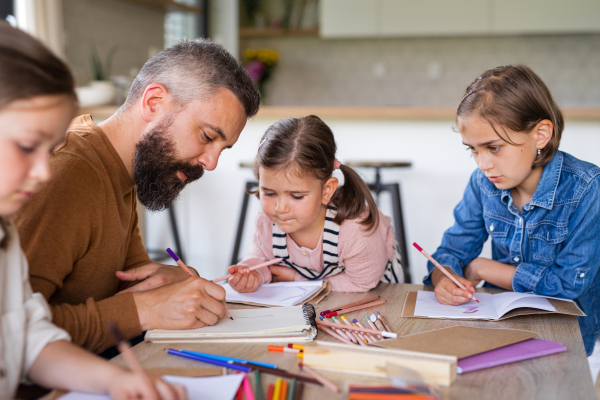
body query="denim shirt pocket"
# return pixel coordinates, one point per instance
(546, 239)
(497, 229)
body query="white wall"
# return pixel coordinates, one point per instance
(208, 210)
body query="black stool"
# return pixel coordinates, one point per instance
(377, 187)
(162, 255)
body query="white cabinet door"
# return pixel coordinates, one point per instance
(545, 16)
(435, 17)
(350, 18)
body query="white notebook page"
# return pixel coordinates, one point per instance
(276, 294)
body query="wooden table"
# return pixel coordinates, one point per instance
(559, 376)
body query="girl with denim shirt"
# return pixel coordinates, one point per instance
(540, 206)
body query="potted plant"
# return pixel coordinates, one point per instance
(101, 90)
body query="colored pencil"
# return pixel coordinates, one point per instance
(356, 303)
(258, 385)
(361, 337)
(180, 263)
(335, 335)
(207, 360)
(374, 320)
(283, 349)
(356, 328)
(229, 359)
(247, 388)
(324, 381)
(299, 391)
(238, 394)
(282, 373)
(296, 346)
(291, 389)
(265, 264)
(127, 353)
(277, 390)
(448, 274)
(372, 325)
(361, 307)
(387, 327)
(270, 391)
(188, 271)
(284, 390)
(369, 336)
(350, 335)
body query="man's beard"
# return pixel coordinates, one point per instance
(155, 169)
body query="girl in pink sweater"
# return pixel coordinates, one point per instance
(320, 230)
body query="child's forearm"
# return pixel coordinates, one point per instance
(494, 272)
(62, 365)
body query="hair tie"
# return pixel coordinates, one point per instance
(336, 164)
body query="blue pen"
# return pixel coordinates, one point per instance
(209, 360)
(226, 359)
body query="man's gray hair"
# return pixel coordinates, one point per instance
(195, 69)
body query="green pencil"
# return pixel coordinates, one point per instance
(258, 392)
(292, 389)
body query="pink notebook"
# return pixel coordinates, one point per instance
(525, 350)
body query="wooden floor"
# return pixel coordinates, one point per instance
(559, 376)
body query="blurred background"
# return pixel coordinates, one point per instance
(386, 75)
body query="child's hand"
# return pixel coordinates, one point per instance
(243, 280)
(128, 385)
(282, 274)
(446, 291)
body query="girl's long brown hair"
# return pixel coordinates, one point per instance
(305, 146)
(513, 96)
(29, 69)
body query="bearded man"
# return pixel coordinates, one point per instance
(80, 233)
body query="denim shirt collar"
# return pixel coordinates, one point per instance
(546, 188)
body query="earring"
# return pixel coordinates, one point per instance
(539, 151)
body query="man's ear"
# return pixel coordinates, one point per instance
(329, 189)
(543, 131)
(154, 97)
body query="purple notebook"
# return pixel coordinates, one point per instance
(525, 350)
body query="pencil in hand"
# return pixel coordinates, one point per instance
(188, 271)
(444, 270)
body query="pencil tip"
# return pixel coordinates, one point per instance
(231, 318)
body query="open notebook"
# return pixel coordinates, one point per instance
(490, 307)
(210, 388)
(281, 294)
(280, 324)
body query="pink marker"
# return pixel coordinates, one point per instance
(448, 274)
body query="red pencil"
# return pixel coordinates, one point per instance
(270, 391)
(439, 266)
(347, 310)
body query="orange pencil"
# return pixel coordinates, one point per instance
(284, 390)
(448, 274)
(188, 271)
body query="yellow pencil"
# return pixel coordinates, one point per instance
(277, 390)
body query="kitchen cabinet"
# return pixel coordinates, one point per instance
(406, 18)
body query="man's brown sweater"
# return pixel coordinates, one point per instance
(78, 231)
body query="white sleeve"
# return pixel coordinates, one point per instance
(39, 327)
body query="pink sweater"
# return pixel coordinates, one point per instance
(363, 254)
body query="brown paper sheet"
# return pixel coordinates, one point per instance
(562, 307)
(458, 341)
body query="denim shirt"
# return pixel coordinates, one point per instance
(554, 242)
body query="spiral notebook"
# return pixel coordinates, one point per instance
(280, 324)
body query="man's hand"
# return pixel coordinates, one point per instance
(193, 303)
(446, 291)
(152, 275)
(282, 274)
(243, 280)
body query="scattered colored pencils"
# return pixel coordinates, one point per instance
(280, 372)
(236, 366)
(439, 266)
(356, 308)
(355, 328)
(335, 335)
(356, 303)
(265, 264)
(229, 359)
(188, 271)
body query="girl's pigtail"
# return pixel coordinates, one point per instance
(350, 199)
